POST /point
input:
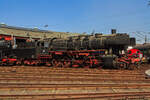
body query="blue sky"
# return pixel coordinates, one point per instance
(78, 15)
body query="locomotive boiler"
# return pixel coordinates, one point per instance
(114, 43)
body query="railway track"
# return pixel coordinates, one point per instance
(42, 83)
(68, 86)
(72, 79)
(78, 71)
(71, 75)
(82, 96)
(63, 70)
(60, 68)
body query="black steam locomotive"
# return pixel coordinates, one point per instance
(73, 51)
(113, 43)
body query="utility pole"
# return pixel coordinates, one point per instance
(145, 39)
(93, 32)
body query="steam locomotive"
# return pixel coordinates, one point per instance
(82, 50)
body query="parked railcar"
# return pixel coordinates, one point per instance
(145, 49)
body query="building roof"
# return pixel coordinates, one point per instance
(143, 46)
(22, 28)
(33, 33)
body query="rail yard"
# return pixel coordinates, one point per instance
(72, 66)
(42, 83)
(74, 50)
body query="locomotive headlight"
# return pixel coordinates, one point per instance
(43, 51)
(129, 47)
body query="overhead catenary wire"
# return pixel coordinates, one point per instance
(142, 35)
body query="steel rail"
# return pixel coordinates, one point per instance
(79, 96)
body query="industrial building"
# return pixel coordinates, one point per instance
(30, 33)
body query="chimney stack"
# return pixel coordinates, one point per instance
(113, 31)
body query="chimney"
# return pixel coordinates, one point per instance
(113, 31)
